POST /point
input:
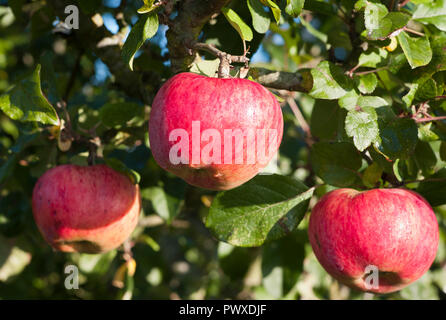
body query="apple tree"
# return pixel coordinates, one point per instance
(362, 89)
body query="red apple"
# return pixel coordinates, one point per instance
(191, 123)
(394, 230)
(85, 209)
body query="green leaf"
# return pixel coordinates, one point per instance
(371, 101)
(397, 62)
(147, 7)
(353, 101)
(435, 189)
(349, 101)
(324, 119)
(417, 50)
(426, 134)
(399, 138)
(396, 170)
(372, 58)
(360, 4)
(119, 166)
(294, 7)
(443, 151)
(207, 68)
(150, 242)
(238, 24)
(336, 163)
(25, 102)
(265, 208)
(425, 158)
(438, 62)
(362, 126)
(372, 175)
(379, 22)
(391, 25)
(97, 264)
(144, 29)
(260, 18)
(367, 83)
(427, 89)
(373, 15)
(277, 13)
(165, 205)
(119, 113)
(329, 81)
(313, 31)
(433, 13)
(408, 97)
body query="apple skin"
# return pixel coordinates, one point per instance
(393, 229)
(218, 104)
(90, 209)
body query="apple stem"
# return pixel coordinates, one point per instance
(91, 160)
(225, 58)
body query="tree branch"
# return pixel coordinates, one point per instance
(186, 27)
(225, 58)
(300, 80)
(183, 31)
(429, 119)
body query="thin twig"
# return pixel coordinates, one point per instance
(428, 119)
(402, 4)
(300, 119)
(413, 31)
(352, 70)
(370, 71)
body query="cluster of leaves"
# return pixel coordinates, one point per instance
(375, 114)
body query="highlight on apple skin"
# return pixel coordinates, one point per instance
(394, 230)
(90, 209)
(214, 105)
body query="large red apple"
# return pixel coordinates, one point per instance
(85, 209)
(394, 231)
(192, 121)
